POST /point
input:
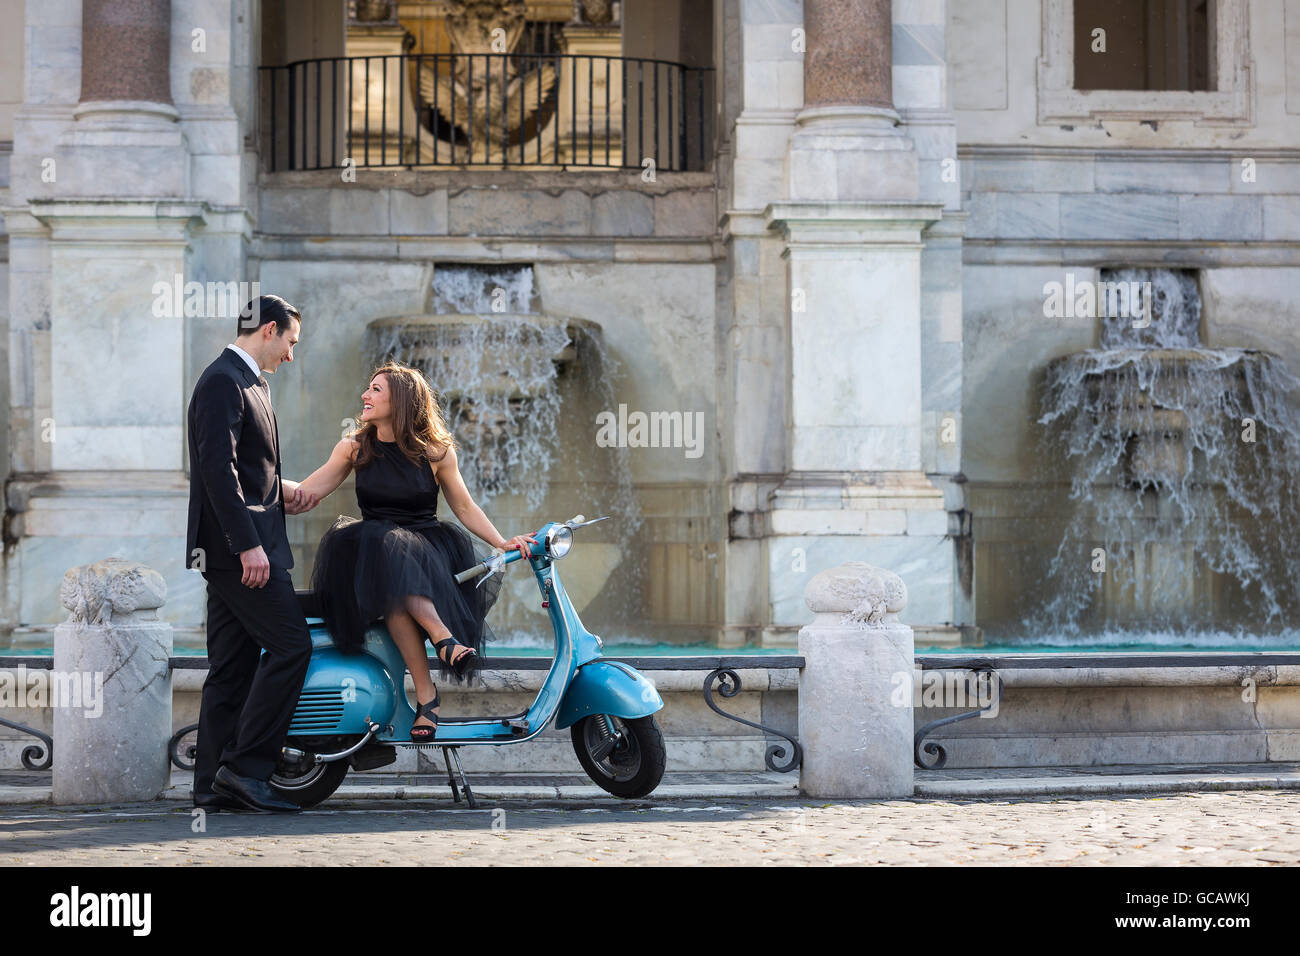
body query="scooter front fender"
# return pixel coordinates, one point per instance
(607, 687)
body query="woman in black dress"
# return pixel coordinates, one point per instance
(399, 561)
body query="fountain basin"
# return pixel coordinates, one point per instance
(505, 354)
(1149, 398)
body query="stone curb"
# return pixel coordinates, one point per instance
(16, 795)
(442, 793)
(13, 796)
(939, 790)
(1100, 784)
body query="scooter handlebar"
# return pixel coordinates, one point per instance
(469, 574)
(482, 568)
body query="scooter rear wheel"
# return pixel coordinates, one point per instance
(310, 788)
(633, 766)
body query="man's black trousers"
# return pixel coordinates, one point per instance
(249, 697)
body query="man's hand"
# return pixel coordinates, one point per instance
(296, 500)
(257, 569)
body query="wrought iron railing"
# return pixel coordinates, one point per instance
(486, 109)
(35, 756)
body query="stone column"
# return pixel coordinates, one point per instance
(851, 226)
(846, 143)
(855, 691)
(849, 53)
(126, 50)
(101, 198)
(111, 685)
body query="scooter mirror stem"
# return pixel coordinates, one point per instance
(580, 521)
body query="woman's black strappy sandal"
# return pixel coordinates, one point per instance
(464, 663)
(423, 734)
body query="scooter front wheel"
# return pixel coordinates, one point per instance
(623, 757)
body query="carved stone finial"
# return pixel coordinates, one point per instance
(864, 595)
(594, 11)
(95, 592)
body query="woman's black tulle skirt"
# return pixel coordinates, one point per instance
(365, 569)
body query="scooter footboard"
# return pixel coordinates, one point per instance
(607, 687)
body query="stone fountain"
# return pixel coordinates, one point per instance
(1182, 462)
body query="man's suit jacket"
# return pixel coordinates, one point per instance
(236, 502)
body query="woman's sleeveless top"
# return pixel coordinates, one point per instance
(394, 488)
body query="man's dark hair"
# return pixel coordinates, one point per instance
(264, 309)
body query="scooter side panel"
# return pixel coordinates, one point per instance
(608, 687)
(341, 692)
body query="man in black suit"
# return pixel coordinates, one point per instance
(237, 539)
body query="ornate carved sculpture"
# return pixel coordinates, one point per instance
(499, 101)
(865, 595)
(95, 592)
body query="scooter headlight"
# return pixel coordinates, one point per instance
(558, 541)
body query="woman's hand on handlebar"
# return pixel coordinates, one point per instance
(520, 541)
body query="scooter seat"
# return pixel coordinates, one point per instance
(309, 603)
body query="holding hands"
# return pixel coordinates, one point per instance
(297, 500)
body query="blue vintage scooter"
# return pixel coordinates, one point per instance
(353, 711)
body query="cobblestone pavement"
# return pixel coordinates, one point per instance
(1253, 827)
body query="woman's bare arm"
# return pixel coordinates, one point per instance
(463, 507)
(325, 480)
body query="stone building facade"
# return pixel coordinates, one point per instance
(848, 284)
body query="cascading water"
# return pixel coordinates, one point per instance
(519, 390)
(480, 289)
(498, 384)
(1183, 463)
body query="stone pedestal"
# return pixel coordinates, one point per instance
(854, 726)
(851, 153)
(849, 236)
(113, 720)
(106, 469)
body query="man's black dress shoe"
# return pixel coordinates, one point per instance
(217, 801)
(254, 794)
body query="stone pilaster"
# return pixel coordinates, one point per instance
(762, 90)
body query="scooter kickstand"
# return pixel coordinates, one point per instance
(455, 791)
(469, 794)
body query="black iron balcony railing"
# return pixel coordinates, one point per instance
(486, 109)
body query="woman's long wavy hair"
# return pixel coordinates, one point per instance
(418, 426)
